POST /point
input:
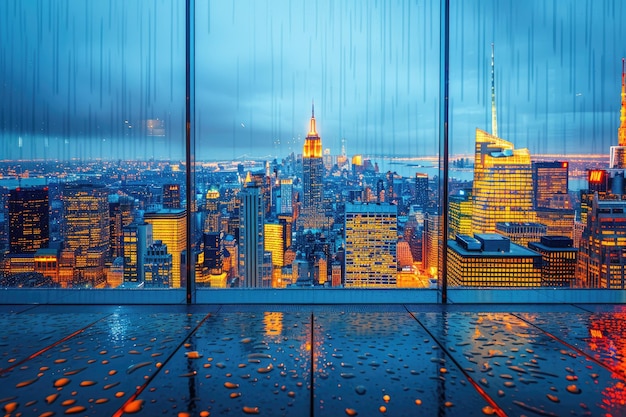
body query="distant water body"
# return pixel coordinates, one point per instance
(403, 169)
(408, 170)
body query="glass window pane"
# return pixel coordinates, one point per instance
(92, 144)
(317, 143)
(534, 106)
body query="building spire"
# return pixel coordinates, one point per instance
(312, 131)
(494, 117)
(621, 134)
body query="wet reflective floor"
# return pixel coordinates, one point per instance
(210, 360)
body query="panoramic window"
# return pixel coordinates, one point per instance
(319, 145)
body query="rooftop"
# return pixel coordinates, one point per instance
(323, 360)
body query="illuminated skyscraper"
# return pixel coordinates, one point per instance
(120, 215)
(602, 255)
(618, 153)
(213, 258)
(251, 245)
(502, 190)
(421, 189)
(158, 266)
(370, 249)
(551, 185)
(29, 219)
(286, 196)
(274, 241)
(491, 260)
(559, 260)
(460, 214)
(432, 246)
(136, 239)
(213, 216)
(503, 186)
(168, 226)
(312, 215)
(171, 196)
(86, 216)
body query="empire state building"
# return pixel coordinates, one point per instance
(312, 215)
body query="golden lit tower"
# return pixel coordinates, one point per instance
(169, 226)
(312, 173)
(503, 178)
(618, 153)
(371, 244)
(86, 215)
(622, 128)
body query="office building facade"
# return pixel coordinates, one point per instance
(371, 236)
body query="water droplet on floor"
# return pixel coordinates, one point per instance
(75, 410)
(266, 369)
(573, 389)
(61, 382)
(26, 383)
(133, 368)
(133, 407)
(11, 407)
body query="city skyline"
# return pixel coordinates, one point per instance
(82, 84)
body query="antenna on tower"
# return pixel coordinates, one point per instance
(494, 117)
